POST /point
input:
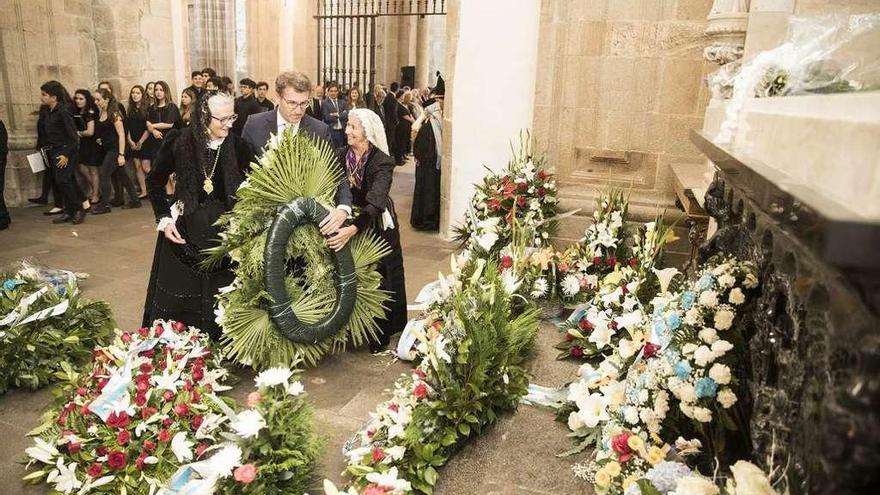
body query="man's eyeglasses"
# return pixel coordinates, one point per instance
(226, 120)
(302, 105)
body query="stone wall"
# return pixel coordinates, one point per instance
(619, 86)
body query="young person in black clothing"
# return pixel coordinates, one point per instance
(198, 83)
(111, 136)
(188, 101)
(5, 220)
(164, 115)
(213, 85)
(245, 105)
(60, 141)
(85, 113)
(49, 184)
(137, 137)
(262, 89)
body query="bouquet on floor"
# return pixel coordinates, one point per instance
(143, 418)
(525, 191)
(291, 168)
(471, 371)
(45, 323)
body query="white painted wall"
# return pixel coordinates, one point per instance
(493, 91)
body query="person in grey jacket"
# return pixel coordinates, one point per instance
(294, 96)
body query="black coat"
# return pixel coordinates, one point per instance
(373, 195)
(244, 108)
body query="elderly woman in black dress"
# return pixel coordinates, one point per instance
(210, 163)
(370, 170)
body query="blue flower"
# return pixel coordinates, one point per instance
(683, 369)
(665, 476)
(673, 320)
(706, 387)
(705, 281)
(9, 284)
(687, 299)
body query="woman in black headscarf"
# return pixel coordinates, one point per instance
(210, 163)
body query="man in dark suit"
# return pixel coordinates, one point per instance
(245, 105)
(314, 109)
(262, 89)
(335, 113)
(294, 95)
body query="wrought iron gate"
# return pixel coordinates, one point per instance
(347, 35)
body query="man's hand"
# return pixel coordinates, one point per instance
(338, 241)
(62, 161)
(332, 221)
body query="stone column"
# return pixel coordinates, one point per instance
(494, 101)
(423, 50)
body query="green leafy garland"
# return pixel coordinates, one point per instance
(32, 354)
(291, 167)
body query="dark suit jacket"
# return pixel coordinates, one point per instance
(244, 108)
(327, 108)
(314, 110)
(260, 126)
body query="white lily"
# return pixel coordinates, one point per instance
(43, 451)
(64, 477)
(182, 447)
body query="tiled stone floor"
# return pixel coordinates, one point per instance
(515, 456)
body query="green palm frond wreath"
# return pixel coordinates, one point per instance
(292, 297)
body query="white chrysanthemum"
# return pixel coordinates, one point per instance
(248, 423)
(688, 349)
(695, 485)
(702, 414)
(693, 317)
(736, 296)
(708, 298)
(723, 319)
(726, 398)
(708, 335)
(720, 348)
(726, 280)
(703, 356)
(571, 285)
(750, 282)
(631, 415)
(720, 373)
(273, 376)
(687, 393)
(539, 288)
(224, 461)
(182, 447)
(295, 388)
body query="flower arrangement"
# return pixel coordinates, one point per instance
(525, 191)
(130, 419)
(470, 372)
(291, 167)
(45, 323)
(143, 418)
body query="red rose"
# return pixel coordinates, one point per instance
(633, 262)
(140, 462)
(126, 337)
(421, 391)
(168, 395)
(245, 474)
(522, 186)
(620, 445)
(187, 385)
(377, 454)
(494, 204)
(101, 451)
(123, 437)
(167, 422)
(181, 410)
(506, 262)
(541, 175)
(597, 260)
(585, 325)
(178, 326)
(200, 449)
(541, 192)
(146, 368)
(197, 422)
(158, 330)
(143, 331)
(651, 350)
(140, 399)
(521, 202)
(198, 374)
(149, 445)
(118, 420)
(148, 411)
(164, 435)
(116, 460)
(576, 351)
(148, 354)
(508, 191)
(95, 470)
(612, 260)
(196, 397)
(74, 447)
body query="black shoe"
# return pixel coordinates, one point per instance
(53, 211)
(131, 204)
(100, 209)
(117, 202)
(38, 201)
(377, 348)
(4, 225)
(78, 217)
(62, 219)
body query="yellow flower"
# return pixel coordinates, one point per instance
(603, 479)
(635, 442)
(613, 468)
(655, 455)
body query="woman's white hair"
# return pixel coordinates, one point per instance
(373, 127)
(218, 100)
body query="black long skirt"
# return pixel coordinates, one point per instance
(394, 281)
(426, 198)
